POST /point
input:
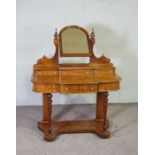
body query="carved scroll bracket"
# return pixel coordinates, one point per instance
(54, 60)
(94, 59)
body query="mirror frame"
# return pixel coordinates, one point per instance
(74, 54)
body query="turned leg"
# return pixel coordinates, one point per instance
(46, 124)
(101, 114)
(47, 105)
(47, 108)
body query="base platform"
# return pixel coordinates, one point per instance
(78, 126)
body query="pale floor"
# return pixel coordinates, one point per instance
(123, 128)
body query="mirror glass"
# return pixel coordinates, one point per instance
(74, 41)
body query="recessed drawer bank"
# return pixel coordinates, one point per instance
(73, 75)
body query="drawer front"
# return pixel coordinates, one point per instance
(75, 76)
(46, 88)
(109, 86)
(47, 76)
(47, 73)
(78, 88)
(99, 75)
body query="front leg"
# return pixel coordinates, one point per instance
(47, 114)
(101, 114)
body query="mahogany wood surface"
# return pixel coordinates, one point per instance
(98, 76)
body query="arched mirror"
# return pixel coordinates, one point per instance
(74, 42)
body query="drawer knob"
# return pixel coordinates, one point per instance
(39, 73)
(66, 88)
(91, 88)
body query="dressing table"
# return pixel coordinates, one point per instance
(98, 76)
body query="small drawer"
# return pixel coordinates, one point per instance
(99, 75)
(78, 88)
(75, 75)
(46, 76)
(70, 88)
(47, 73)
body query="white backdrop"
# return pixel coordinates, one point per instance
(115, 24)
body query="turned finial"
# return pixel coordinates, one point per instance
(56, 33)
(92, 35)
(56, 37)
(92, 39)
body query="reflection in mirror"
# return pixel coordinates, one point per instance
(74, 41)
